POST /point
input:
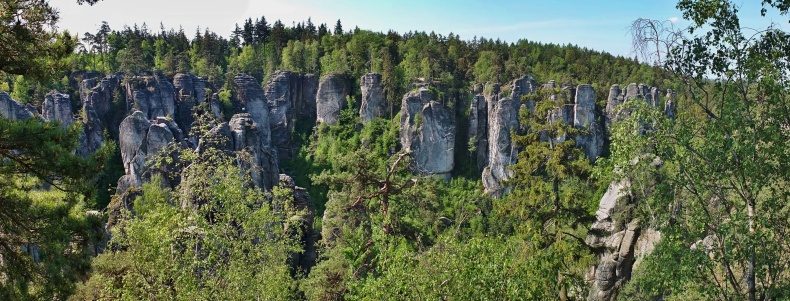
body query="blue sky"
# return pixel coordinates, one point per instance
(599, 25)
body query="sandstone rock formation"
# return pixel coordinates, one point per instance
(250, 98)
(190, 91)
(623, 244)
(331, 98)
(669, 105)
(300, 225)
(584, 118)
(258, 158)
(373, 102)
(151, 95)
(97, 98)
(57, 107)
(502, 119)
(291, 97)
(427, 130)
(140, 140)
(12, 109)
(478, 128)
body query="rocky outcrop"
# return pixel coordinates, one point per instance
(12, 109)
(151, 95)
(669, 105)
(300, 225)
(524, 86)
(478, 128)
(373, 102)
(250, 98)
(331, 98)
(97, 98)
(57, 107)
(427, 130)
(622, 243)
(140, 140)
(584, 118)
(254, 154)
(291, 97)
(502, 119)
(190, 91)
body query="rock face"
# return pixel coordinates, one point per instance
(12, 109)
(373, 102)
(140, 140)
(251, 99)
(427, 130)
(190, 91)
(669, 105)
(260, 160)
(300, 225)
(331, 98)
(290, 98)
(151, 95)
(584, 118)
(623, 243)
(97, 99)
(57, 107)
(502, 118)
(478, 128)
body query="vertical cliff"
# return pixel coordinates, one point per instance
(373, 103)
(428, 132)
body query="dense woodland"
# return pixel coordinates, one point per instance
(711, 178)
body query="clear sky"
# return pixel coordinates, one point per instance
(599, 25)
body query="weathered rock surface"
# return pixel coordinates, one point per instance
(373, 102)
(331, 98)
(291, 97)
(151, 95)
(621, 244)
(584, 118)
(478, 129)
(57, 107)
(190, 91)
(300, 225)
(12, 109)
(669, 105)
(502, 118)
(250, 98)
(259, 160)
(97, 99)
(428, 132)
(140, 140)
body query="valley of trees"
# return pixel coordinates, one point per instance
(710, 175)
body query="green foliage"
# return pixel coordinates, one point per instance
(46, 231)
(197, 241)
(21, 91)
(721, 199)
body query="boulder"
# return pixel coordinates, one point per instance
(373, 101)
(12, 109)
(428, 132)
(57, 107)
(331, 98)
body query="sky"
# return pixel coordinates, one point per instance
(599, 25)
